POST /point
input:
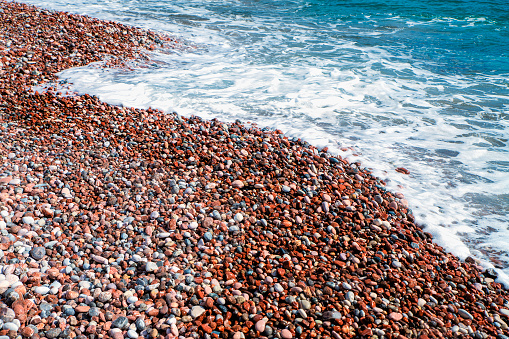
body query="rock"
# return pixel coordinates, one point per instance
(53, 333)
(104, 296)
(120, 323)
(116, 333)
(237, 184)
(82, 309)
(41, 290)
(304, 304)
(140, 324)
(71, 295)
(260, 325)
(66, 193)
(37, 253)
(150, 266)
(464, 314)
(396, 316)
(197, 311)
(7, 315)
(15, 181)
(238, 217)
(286, 334)
(132, 334)
(94, 312)
(207, 236)
(346, 286)
(278, 288)
(491, 273)
(28, 220)
(332, 315)
(10, 327)
(421, 302)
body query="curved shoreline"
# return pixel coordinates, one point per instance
(126, 222)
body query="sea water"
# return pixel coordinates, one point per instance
(422, 85)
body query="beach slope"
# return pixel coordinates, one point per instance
(120, 222)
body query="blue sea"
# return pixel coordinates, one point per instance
(422, 85)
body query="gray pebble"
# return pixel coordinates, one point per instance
(464, 314)
(38, 253)
(121, 323)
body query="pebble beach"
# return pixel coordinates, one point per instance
(118, 222)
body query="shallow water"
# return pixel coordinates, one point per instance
(414, 84)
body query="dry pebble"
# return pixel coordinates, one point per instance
(126, 223)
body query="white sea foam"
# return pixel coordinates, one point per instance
(364, 102)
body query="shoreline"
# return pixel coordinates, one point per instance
(124, 222)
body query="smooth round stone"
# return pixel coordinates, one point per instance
(132, 299)
(68, 310)
(42, 290)
(268, 331)
(286, 334)
(150, 266)
(11, 279)
(116, 333)
(104, 297)
(346, 286)
(278, 288)
(304, 304)
(7, 315)
(94, 312)
(298, 330)
(464, 314)
(53, 333)
(15, 181)
(421, 302)
(140, 324)
(121, 323)
(350, 296)
(396, 264)
(44, 306)
(239, 217)
(132, 334)
(395, 316)
(334, 315)
(28, 220)
(505, 312)
(85, 284)
(207, 236)
(260, 325)
(11, 327)
(38, 253)
(197, 311)
(216, 215)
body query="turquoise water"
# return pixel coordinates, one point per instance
(417, 84)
